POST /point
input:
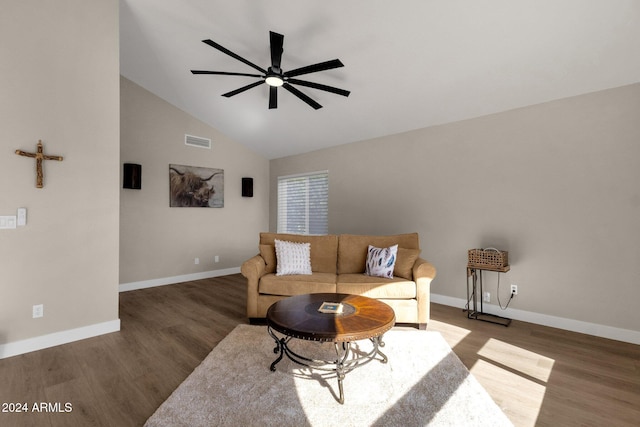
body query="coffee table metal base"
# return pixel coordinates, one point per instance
(346, 359)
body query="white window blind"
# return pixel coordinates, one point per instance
(303, 203)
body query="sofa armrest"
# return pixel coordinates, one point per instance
(253, 269)
(423, 273)
(423, 269)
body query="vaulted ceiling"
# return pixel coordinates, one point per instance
(409, 64)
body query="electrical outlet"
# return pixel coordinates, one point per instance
(216, 258)
(196, 261)
(486, 297)
(514, 289)
(38, 310)
(22, 216)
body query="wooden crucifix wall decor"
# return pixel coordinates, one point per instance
(39, 156)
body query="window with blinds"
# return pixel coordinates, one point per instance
(303, 203)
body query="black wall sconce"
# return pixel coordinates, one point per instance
(247, 187)
(132, 176)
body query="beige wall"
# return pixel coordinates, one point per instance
(59, 83)
(557, 185)
(157, 241)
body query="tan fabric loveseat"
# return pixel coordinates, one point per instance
(338, 265)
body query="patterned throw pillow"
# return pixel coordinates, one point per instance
(380, 261)
(293, 258)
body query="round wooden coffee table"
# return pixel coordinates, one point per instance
(361, 318)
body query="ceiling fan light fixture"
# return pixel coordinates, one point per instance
(275, 77)
(274, 81)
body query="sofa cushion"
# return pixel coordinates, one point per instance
(268, 253)
(376, 287)
(381, 261)
(292, 258)
(352, 249)
(404, 263)
(297, 284)
(324, 249)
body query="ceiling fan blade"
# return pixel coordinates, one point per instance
(320, 86)
(242, 89)
(273, 97)
(277, 41)
(225, 73)
(321, 66)
(302, 96)
(233, 55)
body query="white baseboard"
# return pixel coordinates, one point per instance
(618, 334)
(132, 286)
(57, 338)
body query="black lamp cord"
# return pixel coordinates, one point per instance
(510, 296)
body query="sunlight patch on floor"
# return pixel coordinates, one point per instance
(517, 378)
(518, 397)
(518, 359)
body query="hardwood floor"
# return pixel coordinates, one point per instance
(539, 376)
(542, 376)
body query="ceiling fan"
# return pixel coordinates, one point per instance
(275, 77)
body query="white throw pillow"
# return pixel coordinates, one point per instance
(380, 261)
(292, 258)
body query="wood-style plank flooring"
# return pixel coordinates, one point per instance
(540, 376)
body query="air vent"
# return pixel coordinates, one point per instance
(196, 141)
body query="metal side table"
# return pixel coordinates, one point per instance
(475, 273)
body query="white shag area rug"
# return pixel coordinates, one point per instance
(424, 383)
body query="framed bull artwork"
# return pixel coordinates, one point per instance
(191, 186)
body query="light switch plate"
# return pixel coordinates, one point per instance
(8, 221)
